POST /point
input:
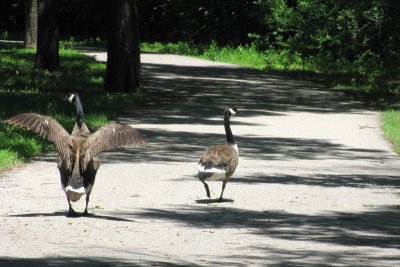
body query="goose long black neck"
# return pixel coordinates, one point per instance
(79, 110)
(227, 123)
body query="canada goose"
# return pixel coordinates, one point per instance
(220, 161)
(77, 161)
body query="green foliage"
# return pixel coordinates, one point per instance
(179, 48)
(359, 37)
(226, 22)
(245, 55)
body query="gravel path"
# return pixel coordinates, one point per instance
(317, 183)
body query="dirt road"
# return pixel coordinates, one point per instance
(317, 183)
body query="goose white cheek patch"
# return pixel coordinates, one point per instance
(71, 98)
(232, 112)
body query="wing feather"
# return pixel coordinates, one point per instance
(47, 128)
(108, 137)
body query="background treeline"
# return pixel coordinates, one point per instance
(357, 39)
(226, 22)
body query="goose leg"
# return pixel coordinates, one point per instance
(223, 188)
(207, 189)
(85, 213)
(71, 212)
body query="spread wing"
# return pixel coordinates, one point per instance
(47, 128)
(108, 137)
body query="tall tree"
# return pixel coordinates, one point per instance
(47, 52)
(123, 70)
(30, 23)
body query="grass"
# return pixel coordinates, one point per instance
(26, 89)
(391, 127)
(77, 72)
(243, 55)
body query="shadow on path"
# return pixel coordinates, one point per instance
(350, 229)
(92, 261)
(204, 88)
(64, 214)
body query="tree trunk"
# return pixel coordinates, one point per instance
(31, 18)
(47, 56)
(123, 54)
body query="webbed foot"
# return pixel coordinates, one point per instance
(72, 213)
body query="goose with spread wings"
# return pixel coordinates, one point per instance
(78, 162)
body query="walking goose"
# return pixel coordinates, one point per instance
(220, 161)
(77, 161)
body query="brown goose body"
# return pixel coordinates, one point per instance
(219, 162)
(78, 151)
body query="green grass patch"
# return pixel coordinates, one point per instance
(77, 72)
(18, 145)
(8, 158)
(26, 89)
(391, 127)
(243, 55)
